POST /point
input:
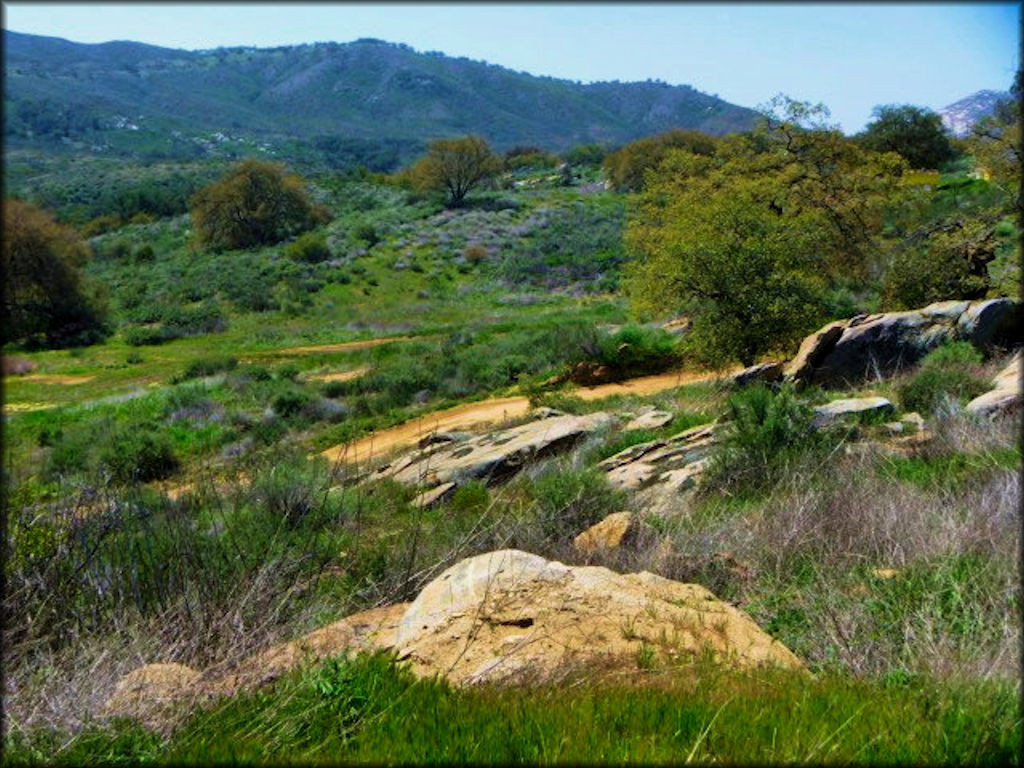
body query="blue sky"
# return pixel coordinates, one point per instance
(850, 57)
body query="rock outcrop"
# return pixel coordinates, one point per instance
(848, 352)
(838, 410)
(1005, 397)
(450, 461)
(673, 464)
(511, 614)
(617, 529)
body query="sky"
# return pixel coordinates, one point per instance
(849, 56)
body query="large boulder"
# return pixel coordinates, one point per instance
(1005, 396)
(614, 531)
(674, 462)
(493, 456)
(511, 615)
(839, 410)
(848, 352)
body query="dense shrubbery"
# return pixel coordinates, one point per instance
(626, 167)
(310, 248)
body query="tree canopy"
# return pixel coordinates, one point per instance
(749, 239)
(254, 203)
(455, 167)
(625, 168)
(916, 133)
(45, 299)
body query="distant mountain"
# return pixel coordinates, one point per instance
(960, 116)
(125, 97)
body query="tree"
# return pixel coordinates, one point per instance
(254, 203)
(915, 133)
(625, 168)
(749, 239)
(45, 299)
(455, 167)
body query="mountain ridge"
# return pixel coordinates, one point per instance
(366, 89)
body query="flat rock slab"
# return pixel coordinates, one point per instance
(608, 534)
(492, 456)
(650, 420)
(853, 406)
(675, 462)
(512, 615)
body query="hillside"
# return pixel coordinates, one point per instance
(960, 116)
(130, 98)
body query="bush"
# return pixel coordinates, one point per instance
(636, 349)
(254, 203)
(945, 372)
(767, 430)
(46, 301)
(207, 366)
(310, 248)
(136, 453)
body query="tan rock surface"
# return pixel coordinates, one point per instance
(607, 534)
(148, 692)
(1005, 396)
(509, 613)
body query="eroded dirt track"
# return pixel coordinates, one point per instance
(494, 410)
(346, 346)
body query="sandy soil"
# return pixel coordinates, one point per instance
(337, 375)
(56, 378)
(341, 347)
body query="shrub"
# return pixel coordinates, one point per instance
(136, 453)
(46, 301)
(636, 349)
(254, 203)
(767, 430)
(207, 366)
(930, 388)
(291, 403)
(569, 500)
(310, 248)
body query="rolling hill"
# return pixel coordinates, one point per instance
(345, 99)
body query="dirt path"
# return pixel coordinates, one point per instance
(345, 346)
(54, 378)
(494, 410)
(337, 375)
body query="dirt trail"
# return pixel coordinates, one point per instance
(337, 375)
(345, 346)
(494, 410)
(55, 378)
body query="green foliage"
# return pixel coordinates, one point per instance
(586, 154)
(568, 500)
(945, 372)
(137, 454)
(207, 366)
(455, 167)
(310, 248)
(767, 431)
(46, 302)
(916, 133)
(370, 709)
(254, 203)
(749, 240)
(627, 167)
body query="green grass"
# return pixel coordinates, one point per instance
(369, 710)
(949, 471)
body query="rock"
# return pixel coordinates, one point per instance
(836, 410)
(848, 352)
(767, 372)
(1005, 397)
(985, 323)
(493, 456)
(545, 413)
(661, 471)
(374, 629)
(434, 495)
(510, 614)
(812, 351)
(894, 427)
(435, 438)
(913, 419)
(588, 374)
(608, 534)
(650, 420)
(150, 691)
(677, 326)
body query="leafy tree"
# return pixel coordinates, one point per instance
(254, 203)
(586, 154)
(998, 146)
(625, 168)
(749, 239)
(45, 299)
(915, 133)
(455, 167)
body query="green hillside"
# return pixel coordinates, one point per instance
(140, 100)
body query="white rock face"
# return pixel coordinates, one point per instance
(840, 409)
